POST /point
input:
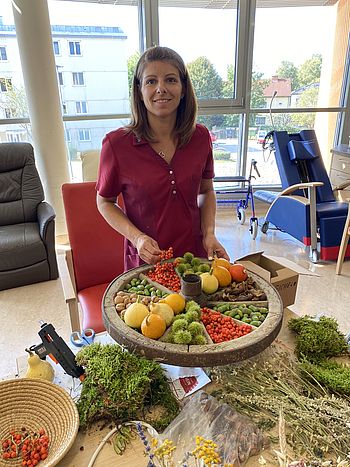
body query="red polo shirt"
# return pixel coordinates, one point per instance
(160, 199)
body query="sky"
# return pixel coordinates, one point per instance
(290, 34)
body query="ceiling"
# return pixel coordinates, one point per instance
(217, 4)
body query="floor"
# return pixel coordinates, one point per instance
(325, 293)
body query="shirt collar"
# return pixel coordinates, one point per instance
(138, 141)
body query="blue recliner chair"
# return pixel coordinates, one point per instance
(306, 208)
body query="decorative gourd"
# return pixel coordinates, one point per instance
(38, 368)
(210, 284)
(135, 314)
(153, 326)
(163, 310)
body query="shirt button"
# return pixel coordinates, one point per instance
(173, 182)
(171, 172)
(174, 192)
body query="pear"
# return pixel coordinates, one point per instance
(38, 368)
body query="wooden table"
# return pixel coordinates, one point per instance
(86, 443)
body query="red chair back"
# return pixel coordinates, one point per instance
(97, 249)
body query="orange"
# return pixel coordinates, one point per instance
(223, 275)
(175, 301)
(222, 262)
(238, 272)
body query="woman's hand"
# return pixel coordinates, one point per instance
(148, 249)
(214, 247)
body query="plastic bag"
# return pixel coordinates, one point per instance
(236, 436)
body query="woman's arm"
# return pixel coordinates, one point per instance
(146, 246)
(207, 206)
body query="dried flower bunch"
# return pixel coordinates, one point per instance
(317, 423)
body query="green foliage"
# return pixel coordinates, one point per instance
(310, 71)
(317, 340)
(289, 70)
(207, 84)
(119, 387)
(132, 62)
(221, 155)
(332, 375)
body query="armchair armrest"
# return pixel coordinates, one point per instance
(299, 186)
(45, 214)
(69, 290)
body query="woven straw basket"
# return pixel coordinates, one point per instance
(36, 403)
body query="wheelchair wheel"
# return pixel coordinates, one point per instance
(241, 215)
(254, 227)
(265, 227)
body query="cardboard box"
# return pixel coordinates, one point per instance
(285, 280)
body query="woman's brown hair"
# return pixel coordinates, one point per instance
(187, 109)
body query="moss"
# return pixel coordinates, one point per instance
(120, 386)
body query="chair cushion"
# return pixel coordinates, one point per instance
(332, 209)
(90, 300)
(266, 196)
(20, 246)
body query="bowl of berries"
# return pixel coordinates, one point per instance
(39, 422)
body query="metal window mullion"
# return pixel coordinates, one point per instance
(148, 24)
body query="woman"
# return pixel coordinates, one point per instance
(162, 164)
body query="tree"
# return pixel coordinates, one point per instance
(289, 70)
(257, 98)
(207, 84)
(132, 62)
(308, 98)
(231, 121)
(15, 105)
(310, 71)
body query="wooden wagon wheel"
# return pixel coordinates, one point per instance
(192, 355)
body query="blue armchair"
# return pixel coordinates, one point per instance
(306, 208)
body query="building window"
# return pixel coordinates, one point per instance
(68, 138)
(5, 84)
(84, 135)
(74, 48)
(14, 137)
(3, 54)
(78, 79)
(60, 78)
(56, 47)
(8, 113)
(81, 107)
(64, 107)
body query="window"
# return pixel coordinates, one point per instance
(56, 48)
(81, 107)
(78, 79)
(68, 138)
(64, 107)
(74, 48)
(13, 137)
(8, 113)
(3, 54)
(5, 84)
(84, 135)
(60, 78)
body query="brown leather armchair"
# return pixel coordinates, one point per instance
(27, 222)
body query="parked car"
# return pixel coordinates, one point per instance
(213, 136)
(260, 136)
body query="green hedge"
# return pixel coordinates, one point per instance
(221, 155)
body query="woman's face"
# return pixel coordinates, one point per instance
(161, 89)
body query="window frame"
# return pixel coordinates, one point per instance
(81, 105)
(58, 48)
(85, 131)
(3, 49)
(76, 45)
(78, 75)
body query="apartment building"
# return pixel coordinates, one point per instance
(88, 83)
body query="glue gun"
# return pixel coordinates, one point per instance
(54, 346)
